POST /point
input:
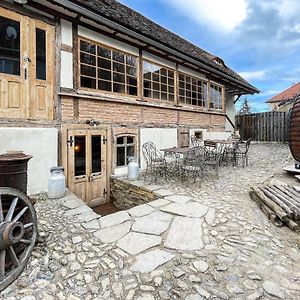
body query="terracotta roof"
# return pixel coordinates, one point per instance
(123, 15)
(286, 95)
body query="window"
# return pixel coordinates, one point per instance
(192, 91)
(125, 149)
(9, 46)
(108, 70)
(40, 54)
(158, 82)
(215, 93)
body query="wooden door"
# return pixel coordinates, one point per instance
(14, 95)
(26, 67)
(41, 70)
(87, 165)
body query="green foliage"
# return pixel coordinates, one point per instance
(246, 108)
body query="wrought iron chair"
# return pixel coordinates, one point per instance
(212, 161)
(155, 162)
(191, 167)
(210, 145)
(229, 155)
(195, 141)
(241, 152)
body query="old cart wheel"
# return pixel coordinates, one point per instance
(18, 234)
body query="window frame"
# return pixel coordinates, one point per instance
(205, 94)
(175, 73)
(97, 68)
(222, 100)
(125, 145)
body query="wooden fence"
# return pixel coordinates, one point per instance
(268, 126)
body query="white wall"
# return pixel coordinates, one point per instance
(230, 111)
(161, 137)
(41, 143)
(211, 135)
(66, 69)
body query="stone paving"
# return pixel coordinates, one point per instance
(208, 242)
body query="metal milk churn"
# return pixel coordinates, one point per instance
(133, 169)
(56, 183)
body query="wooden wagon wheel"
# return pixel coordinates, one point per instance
(18, 234)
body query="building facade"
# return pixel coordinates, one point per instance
(85, 83)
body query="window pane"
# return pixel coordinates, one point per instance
(155, 77)
(119, 78)
(156, 95)
(164, 72)
(87, 82)
(104, 74)
(132, 81)
(120, 156)
(87, 59)
(129, 140)
(104, 63)
(80, 159)
(88, 71)
(104, 85)
(164, 96)
(40, 54)
(118, 88)
(9, 46)
(132, 90)
(119, 67)
(120, 140)
(96, 153)
(132, 61)
(104, 52)
(131, 71)
(118, 57)
(147, 93)
(87, 47)
(130, 152)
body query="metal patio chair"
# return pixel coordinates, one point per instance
(241, 152)
(191, 167)
(156, 164)
(195, 141)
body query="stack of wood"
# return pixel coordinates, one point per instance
(279, 202)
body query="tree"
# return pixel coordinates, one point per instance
(246, 108)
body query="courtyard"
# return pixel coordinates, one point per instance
(195, 242)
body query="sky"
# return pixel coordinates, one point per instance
(259, 39)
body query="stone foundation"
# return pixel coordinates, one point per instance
(125, 194)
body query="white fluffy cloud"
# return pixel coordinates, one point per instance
(253, 75)
(221, 15)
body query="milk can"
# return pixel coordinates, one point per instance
(56, 183)
(133, 169)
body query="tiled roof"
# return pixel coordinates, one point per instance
(286, 95)
(123, 15)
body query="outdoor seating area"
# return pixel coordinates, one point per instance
(195, 163)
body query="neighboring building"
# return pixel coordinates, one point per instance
(86, 83)
(285, 100)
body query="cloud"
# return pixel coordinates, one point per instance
(223, 16)
(253, 75)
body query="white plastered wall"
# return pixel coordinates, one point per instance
(66, 65)
(210, 135)
(161, 137)
(230, 111)
(41, 143)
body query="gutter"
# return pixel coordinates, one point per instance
(89, 14)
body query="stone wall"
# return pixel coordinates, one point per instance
(125, 195)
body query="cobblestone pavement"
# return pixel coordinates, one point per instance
(208, 242)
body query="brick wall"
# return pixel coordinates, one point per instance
(108, 112)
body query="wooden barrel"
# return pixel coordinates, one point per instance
(294, 132)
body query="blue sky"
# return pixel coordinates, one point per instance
(259, 39)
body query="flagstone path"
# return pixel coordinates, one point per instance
(208, 242)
